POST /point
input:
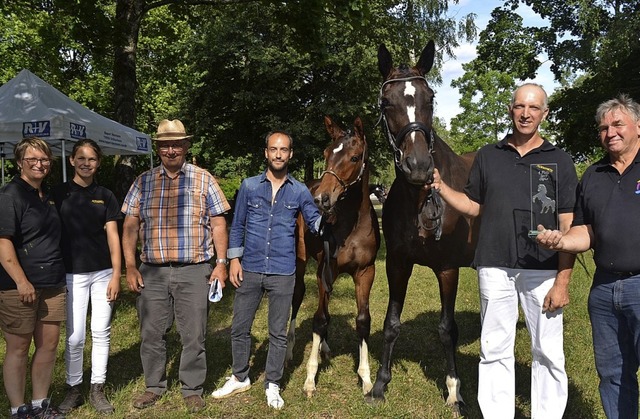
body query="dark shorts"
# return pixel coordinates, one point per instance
(19, 318)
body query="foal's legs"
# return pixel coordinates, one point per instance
(298, 296)
(363, 280)
(320, 324)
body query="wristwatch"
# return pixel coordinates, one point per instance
(222, 261)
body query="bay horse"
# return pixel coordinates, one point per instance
(417, 224)
(342, 195)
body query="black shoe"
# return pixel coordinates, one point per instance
(24, 412)
(72, 400)
(99, 400)
(47, 411)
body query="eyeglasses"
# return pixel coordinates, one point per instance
(32, 161)
(175, 146)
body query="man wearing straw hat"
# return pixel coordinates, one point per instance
(178, 209)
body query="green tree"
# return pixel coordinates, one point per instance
(595, 53)
(505, 54)
(260, 71)
(506, 46)
(231, 69)
(484, 100)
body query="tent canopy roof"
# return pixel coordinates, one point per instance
(29, 106)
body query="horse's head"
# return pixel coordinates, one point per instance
(406, 105)
(346, 160)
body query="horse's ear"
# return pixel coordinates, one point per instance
(331, 126)
(327, 121)
(384, 61)
(357, 125)
(426, 58)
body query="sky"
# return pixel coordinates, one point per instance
(447, 97)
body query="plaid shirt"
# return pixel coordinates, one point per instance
(175, 213)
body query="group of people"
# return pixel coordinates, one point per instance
(60, 250)
(535, 216)
(57, 251)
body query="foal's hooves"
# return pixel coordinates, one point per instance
(370, 399)
(458, 410)
(309, 389)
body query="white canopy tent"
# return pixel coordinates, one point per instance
(30, 107)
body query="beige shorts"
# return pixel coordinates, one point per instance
(19, 318)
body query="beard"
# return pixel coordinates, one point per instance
(277, 167)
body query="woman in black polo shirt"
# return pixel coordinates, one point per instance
(92, 258)
(32, 284)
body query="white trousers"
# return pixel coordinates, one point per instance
(81, 287)
(500, 290)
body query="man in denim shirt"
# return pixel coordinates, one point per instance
(263, 258)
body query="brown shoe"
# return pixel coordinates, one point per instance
(145, 400)
(98, 399)
(194, 403)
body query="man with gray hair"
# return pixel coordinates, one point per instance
(606, 219)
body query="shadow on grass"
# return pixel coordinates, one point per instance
(125, 365)
(419, 343)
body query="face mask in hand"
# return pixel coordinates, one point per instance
(215, 291)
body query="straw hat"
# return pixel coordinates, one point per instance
(171, 131)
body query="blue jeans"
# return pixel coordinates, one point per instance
(614, 310)
(279, 289)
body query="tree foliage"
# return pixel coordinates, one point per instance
(505, 53)
(484, 100)
(255, 67)
(231, 69)
(594, 48)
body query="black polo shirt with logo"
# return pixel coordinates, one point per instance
(34, 227)
(84, 213)
(610, 203)
(516, 194)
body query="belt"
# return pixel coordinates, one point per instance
(625, 274)
(174, 264)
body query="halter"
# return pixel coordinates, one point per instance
(407, 129)
(345, 186)
(433, 201)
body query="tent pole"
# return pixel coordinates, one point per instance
(64, 162)
(2, 155)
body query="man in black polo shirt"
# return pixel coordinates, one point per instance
(607, 220)
(516, 184)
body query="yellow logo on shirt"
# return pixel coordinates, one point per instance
(545, 168)
(97, 201)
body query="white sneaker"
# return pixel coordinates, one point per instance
(231, 387)
(273, 396)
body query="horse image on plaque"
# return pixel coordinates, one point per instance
(544, 189)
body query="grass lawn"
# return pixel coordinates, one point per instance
(417, 387)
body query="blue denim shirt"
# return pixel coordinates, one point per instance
(263, 232)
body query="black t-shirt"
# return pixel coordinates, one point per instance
(516, 194)
(84, 213)
(34, 227)
(610, 203)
